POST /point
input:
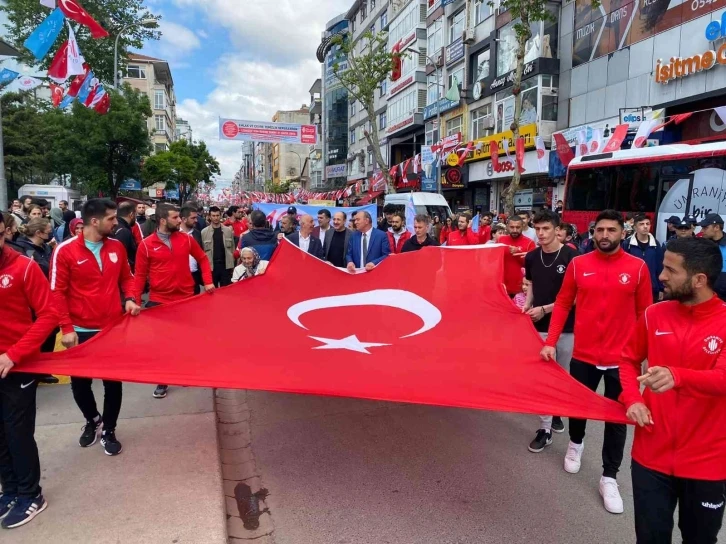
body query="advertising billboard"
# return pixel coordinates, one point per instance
(258, 131)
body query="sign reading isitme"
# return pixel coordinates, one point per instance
(259, 131)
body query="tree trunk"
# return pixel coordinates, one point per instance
(517, 92)
(375, 142)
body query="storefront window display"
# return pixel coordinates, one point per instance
(530, 103)
(540, 45)
(482, 66)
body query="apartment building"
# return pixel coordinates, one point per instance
(153, 77)
(289, 161)
(183, 130)
(315, 152)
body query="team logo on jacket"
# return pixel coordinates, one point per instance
(624, 278)
(561, 269)
(113, 257)
(6, 280)
(712, 345)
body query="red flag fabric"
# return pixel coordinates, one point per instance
(616, 140)
(519, 152)
(465, 153)
(78, 81)
(59, 66)
(386, 335)
(564, 152)
(494, 149)
(56, 94)
(73, 10)
(104, 105)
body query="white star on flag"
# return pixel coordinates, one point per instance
(351, 343)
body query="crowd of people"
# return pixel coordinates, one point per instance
(602, 305)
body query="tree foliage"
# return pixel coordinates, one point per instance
(369, 63)
(114, 15)
(185, 165)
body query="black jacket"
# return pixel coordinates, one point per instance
(412, 244)
(123, 234)
(40, 254)
(263, 240)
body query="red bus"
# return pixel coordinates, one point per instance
(651, 180)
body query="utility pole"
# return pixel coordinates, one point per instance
(3, 181)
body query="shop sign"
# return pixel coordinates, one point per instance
(678, 67)
(453, 160)
(401, 86)
(506, 80)
(443, 105)
(399, 126)
(453, 179)
(528, 132)
(336, 171)
(485, 170)
(455, 51)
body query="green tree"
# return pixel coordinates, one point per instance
(369, 63)
(109, 149)
(185, 165)
(25, 15)
(524, 13)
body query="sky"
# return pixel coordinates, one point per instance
(239, 59)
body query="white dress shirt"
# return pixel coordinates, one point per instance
(305, 243)
(367, 241)
(323, 234)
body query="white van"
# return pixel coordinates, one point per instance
(53, 194)
(430, 204)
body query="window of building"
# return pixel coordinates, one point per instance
(384, 19)
(384, 87)
(456, 29)
(455, 73)
(159, 148)
(505, 105)
(507, 47)
(401, 107)
(370, 158)
(363, 11)
(351, 137)
(160, 121)
(373, 5)
(481, 124)
(481, 68)
(361, 133)
(136, 72)
(432, 134)
(352, 108)
(482, 10)
(373, 29)
(352, 22)
(405, 21)
(432, 5)
(159, 100)
(433, 92)
(435, 37)
(454, 125)
(382, 121)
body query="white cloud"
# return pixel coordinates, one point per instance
(202, 34)
(175, 45)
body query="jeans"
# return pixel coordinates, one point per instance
(564, 348)
(19, 461)
(86, 401)
(655, 495)
(615, 433)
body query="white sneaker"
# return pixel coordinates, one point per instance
(573, 457)
(611, 496)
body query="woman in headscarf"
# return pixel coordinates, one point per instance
(251, 265)
(56, 216)
(76, 227)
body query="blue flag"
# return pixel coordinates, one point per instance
(67, 101)
(44, 36)
(475, 223)
(7, 76)
(85, 88)
(410, 214)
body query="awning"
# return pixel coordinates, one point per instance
(370, 196)
(8, 50)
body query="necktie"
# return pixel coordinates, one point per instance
(364, 254)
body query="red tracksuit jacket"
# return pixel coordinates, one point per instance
(397, 247)
(23, 292)
(168, 269)
(612, 292)
(455, 238)
(688, 435)
(83, 294)
(513, 265)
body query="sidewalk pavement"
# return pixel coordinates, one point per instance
(165, 487)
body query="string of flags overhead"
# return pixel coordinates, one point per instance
(71, 77)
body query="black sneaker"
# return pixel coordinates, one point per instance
(541, 441)
(160, 391)
(557, 425)
(90, 433)
(6, 504)
(24, 511)
(110, 445)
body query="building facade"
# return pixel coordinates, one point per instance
(183, 130)
(289, 161)
(315, 152)
(153, 77)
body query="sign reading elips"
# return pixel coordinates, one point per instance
(257, 131)
(678, 67)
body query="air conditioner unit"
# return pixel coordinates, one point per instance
(469, 35)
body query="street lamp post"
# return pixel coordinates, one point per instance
(438, 108)
(147, 23)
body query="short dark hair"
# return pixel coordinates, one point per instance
(366, 215)
(163, 211)
(389, 208)
(43, 203)
(232, 209)
(186, 211)
(214, 209)
(640, 217)
(568, 228)
(700, 256)
(26, 197)
(126, 209)
(401, 215)
(258, 219)
(514, 218)
(488, 214)
(422, 218)
(610, 215)
(629, 216)
(547, 216)
(525, 212)
(63, 202)
(325, 212)
(96, 208)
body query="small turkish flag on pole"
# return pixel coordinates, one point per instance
(56, 93)
(73, 10)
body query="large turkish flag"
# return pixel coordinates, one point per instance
(430, 327)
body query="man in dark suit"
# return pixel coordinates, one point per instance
(304, 238)
(367, 246)
(126, 215)
(336, 241)
(324, 229)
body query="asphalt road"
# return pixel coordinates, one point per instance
(344, 471)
